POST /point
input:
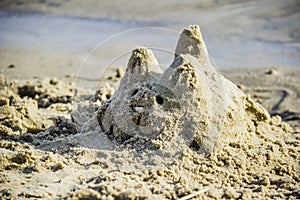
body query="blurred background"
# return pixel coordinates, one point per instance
(54, 37)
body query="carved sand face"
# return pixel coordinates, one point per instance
(151, 102)
(186, 100)
(145, 109)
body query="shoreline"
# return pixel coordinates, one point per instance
(260, 37)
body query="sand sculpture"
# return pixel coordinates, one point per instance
(189, 101)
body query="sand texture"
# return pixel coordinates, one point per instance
(186, 132)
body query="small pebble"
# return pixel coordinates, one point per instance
(271, 72)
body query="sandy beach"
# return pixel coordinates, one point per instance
(85, 116)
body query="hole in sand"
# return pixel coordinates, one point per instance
(159, 100)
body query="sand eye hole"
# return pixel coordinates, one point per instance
(159, 100)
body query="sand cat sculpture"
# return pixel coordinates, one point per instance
(190, 100)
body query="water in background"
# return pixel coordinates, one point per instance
(237, 33)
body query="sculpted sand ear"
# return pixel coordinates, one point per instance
(142, 61)
(142, 65)
(191, 42)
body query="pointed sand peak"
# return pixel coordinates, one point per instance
(191, 42)
(142, 61)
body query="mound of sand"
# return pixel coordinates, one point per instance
(190, 100)
(183, 133)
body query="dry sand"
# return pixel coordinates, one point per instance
(263, 164)
(49, 151)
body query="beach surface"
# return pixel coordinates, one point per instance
(59, 62)
(52, 147)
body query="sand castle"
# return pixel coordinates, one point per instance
(189, 101)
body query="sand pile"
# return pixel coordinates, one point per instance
(189, 101)
(162, 135)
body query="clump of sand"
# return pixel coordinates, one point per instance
(139, 144)
(32, 106)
